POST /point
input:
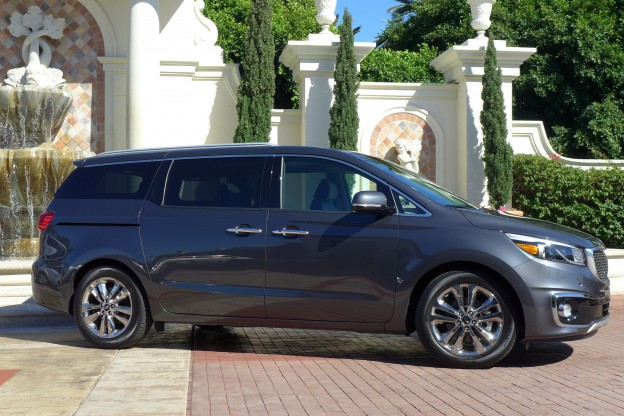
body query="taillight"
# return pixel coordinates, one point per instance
(45, 219)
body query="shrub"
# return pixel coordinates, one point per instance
(588, 200)
(385, 65)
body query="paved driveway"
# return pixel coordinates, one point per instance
(242, 371)
(297, 372)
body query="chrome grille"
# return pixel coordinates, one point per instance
(602, 265)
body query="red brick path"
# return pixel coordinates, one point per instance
(296, 372)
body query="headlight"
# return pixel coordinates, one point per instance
(549, 250)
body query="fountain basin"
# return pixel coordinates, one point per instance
(28, 180)
(31, 115)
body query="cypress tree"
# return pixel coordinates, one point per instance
(497, 151)
(344, 117)
(257, 87)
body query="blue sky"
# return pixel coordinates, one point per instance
(370, 14)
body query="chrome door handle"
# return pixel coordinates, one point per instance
(290, 233)
(244, 230)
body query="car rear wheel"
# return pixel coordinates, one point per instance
(110, 310)
(465, 320)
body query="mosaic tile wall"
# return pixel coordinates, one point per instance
(76, 55)
(410, 127)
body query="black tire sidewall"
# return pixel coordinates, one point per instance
(431, 293)
(138, 324)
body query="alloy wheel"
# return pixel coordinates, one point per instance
(106, 307)
(466, 320)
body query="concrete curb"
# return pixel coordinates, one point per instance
(11, 267)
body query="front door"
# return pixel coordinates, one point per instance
(325, 262)
(205, 243)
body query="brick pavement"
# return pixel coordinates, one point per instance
(261, 371)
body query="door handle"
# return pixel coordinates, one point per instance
(290, 233)
(244, 230)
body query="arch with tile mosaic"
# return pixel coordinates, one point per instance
(411, 125)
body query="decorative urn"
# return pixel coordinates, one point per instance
(481, 11)
(325, 14)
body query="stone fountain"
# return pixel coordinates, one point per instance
(33, 106)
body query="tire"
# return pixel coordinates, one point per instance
(110, 310)
(465, 320)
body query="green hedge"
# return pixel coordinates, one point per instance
(588, 200)
(385, 65)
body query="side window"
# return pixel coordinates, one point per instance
(407, 207)
(215, 182)
(322, 185)
(119, 181)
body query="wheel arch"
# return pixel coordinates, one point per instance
(105, 262)
(476, 268)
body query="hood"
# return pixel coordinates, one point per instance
(507, 223)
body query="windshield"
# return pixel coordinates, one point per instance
(421, 185)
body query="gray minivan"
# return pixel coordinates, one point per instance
(294, 236)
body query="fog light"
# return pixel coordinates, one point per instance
(564, 310)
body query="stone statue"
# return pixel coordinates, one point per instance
(209, 33)
(36, 51)
(408, 153)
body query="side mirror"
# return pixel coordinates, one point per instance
(371, 201)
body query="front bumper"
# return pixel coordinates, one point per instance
(564, 301)
(580, 311)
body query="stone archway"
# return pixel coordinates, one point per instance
(410, 127)
(76, 55)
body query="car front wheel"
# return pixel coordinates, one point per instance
(110, 310)
(465, 320)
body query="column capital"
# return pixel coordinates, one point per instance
(316, 56)
(465, 63)
(313, 62)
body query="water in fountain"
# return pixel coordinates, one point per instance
(33, 107)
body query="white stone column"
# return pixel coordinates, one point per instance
(313, 62)
(464, 65)
(143, 73)
(116, 102)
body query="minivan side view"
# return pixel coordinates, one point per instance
(301, 237)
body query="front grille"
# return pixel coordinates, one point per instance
(602, 265)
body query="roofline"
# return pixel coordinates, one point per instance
(177, 148)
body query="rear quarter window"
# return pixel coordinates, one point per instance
(118, 181)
